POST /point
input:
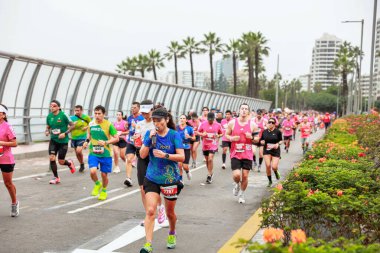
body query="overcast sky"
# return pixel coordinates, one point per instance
(100, 33)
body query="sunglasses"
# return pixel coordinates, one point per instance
(270, 122)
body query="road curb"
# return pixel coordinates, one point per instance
(247, 231)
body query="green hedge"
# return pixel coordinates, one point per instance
(333, 193)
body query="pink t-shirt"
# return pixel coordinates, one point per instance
(241, 149)
(7, 134)
(210, 141)
(287, 126)
(194, 124)
(121, 126)
(224, 124)
(305, 130)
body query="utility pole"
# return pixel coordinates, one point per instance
(277, 81)
(372, 56)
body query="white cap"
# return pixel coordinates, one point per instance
(146, 108)
(3, 109)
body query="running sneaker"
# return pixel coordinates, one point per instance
(103, 195)
(224, 166)
(96, 189)
(189, 175)
(277, 175)
(209, 178)
(236, 189)
(269, 184)
(128, 182)
(241, 199)
(172, 240)
(71, 166)
(258, 168)
(55, 180)
(116, 169)
(255, 164)
(81, 169)
(161, 216)
(287, 150)
(147, 248)
(142, 223)
(194, 165)
(15, 209)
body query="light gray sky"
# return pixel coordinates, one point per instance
(99, 33)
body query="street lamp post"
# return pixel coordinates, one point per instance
(372, 56)
(360, 61)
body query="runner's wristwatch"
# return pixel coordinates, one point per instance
(167, 156)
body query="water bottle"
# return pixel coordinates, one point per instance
(154, 141)
(138, 141)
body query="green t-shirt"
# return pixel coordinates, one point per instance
(58, 124)
(78, 133)
(101, 132)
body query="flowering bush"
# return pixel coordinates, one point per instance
(333, 193)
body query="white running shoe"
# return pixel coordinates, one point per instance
(224, 166)
(236, 189)
(241, 199)
(116, 169)
(15, 209)
(188, 174)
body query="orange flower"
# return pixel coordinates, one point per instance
(279, 186)
(339, 193)
(273, 234)
(311, 156)
(298, 236)
(317, 167)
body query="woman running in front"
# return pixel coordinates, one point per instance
(187, 134)
(271, 139)
(165, 149)
(120, 147)
(7, 161)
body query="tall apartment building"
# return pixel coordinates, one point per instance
(376, 67)
(201, 78)
(224, 67)
(324, 53)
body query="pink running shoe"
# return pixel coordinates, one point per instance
(55, 180)
(72, 166)
(161, 217)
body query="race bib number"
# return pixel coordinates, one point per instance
(287, 128)
(97, 149)
(270, 146)
(307, 130)
(225, 126)
(240, 147)
(170, 192)
(210, 136)
(56, 131)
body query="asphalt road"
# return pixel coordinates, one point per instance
(65, 218)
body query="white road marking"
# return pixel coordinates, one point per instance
(104, 202)
(35, 175)
(116, 198)
(129, 237)
(81, 200)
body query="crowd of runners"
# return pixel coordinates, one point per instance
(163, 151)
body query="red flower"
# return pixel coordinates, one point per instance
(361, 154)
(339, 193)
(279, 186)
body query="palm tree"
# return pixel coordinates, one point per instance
(142, 64)
(344, 64)
(253, 48)
(260, 50)
(155, 61)
(191, 47)
(176, 52)
(247, 45)
(233, 50)
(214, 45)
(128, 66)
